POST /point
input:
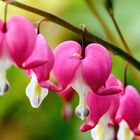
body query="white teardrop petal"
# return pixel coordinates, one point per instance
(35, 93)
(102, 131)
(82, 89)
(124, 132)
(4, 84)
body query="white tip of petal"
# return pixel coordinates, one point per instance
(35, 93)
(124, 132)
(4, 84)
(5, 64)
(81, 88)
(81, 110)
(102, 131)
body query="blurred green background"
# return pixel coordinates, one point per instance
(18, 120)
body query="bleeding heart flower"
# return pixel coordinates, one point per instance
(17, 40)
(111, 86)
(103, 110)
(129, 109)
(41, 54)
(98, 106)
(82, 74)
(67, 97)
(123, 110)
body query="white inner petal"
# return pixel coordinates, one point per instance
(35, 93)
(102, 131)
(124, 132)
(82, 89)
(5, 63)
(4, 84)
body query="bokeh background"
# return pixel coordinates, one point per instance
(18, 120)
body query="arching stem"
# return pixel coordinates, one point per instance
(39, 23)
(89, 36)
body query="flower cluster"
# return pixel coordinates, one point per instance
(103, 100)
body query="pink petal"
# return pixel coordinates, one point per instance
(111, 86)
(1, 42)
(43, 54)
(115, 85)
(1, 25)
(129, 109)
(98, 106)
(112, 81)
(96, 66)
(115, 102)
(67, 60)
(33, 64)
(109, 91)
(137, 131)
(51, 86)
(20, 37)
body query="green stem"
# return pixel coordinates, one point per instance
(125, 75)
(83, 42)
(116, 50)
(120, 33)
(5, 15)
(107, 31)
(39, 23)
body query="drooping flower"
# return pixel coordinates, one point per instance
(82, 74)
(41, 54)
(121, 109)
(67, 97)
(129, 112)
(98, 106)
(101, 105)
(17, 41)
(103, 110)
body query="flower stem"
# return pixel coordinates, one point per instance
(120, 33)
(39, 23)
(126, 46)
(83, 41)
(89, 36)
(100, 19)
(5, 16)
(125, 75)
